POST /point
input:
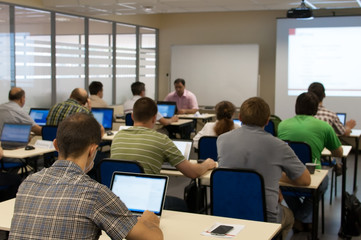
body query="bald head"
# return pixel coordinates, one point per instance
(17, 95)
(80, 95)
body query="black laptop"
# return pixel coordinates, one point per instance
(104, 116)
(39, 115)
(167, 109)
(14, 135)
(140, 192)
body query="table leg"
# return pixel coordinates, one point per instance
(343, 195)
(356, 163)
(315, 214)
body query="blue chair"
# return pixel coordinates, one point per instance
(270, 127)
(238, 193)
(207, 148)
(5, 166)
(302, 150)
(48, 133)
(107, 166)
(128, 120)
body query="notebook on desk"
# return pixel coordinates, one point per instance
(140, 192)
(15, 135)
(185, 147)
(39, 115)
(342, 117)
(167, 109)
(104, 116)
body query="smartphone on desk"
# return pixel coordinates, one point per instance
(221, 230)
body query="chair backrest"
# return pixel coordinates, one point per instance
(128, 120)
(49, 132)
(107, 166)
(207, 148)
(270, 127)
(238, 193)
(302, 150)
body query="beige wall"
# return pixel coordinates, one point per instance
(257, 27)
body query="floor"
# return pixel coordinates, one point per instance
(332, 212)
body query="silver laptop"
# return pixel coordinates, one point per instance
(14, 135)
(140, 192)
(342, 117)
(185, 147)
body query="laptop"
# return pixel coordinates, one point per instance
(185, 147)
(104, 116)
(342, 117)
(140, 192)
(14, 135)
(237, 121)
(39, 115)
(167, 109)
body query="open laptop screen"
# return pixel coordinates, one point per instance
(140, 192)
(39, 115)
(13, 132)
(342, 117)
(237, 121)
(184, 146)
(167, 109)
(104, 116)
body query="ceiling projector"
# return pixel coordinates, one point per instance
(300, 12)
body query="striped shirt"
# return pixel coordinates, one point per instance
(331, 118)
(62, 202)
(150, 148)
(61, 110)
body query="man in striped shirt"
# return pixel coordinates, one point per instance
(150, 148)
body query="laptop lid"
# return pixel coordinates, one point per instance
(140, 192)
(104, 116)
(39, 115)
(184, 146)
(14, 133)
(167, 109)
(342, 117)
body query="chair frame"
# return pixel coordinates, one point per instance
(200, 148)
(128, 119)
(242, 170)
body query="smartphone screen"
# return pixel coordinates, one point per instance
(221, 230)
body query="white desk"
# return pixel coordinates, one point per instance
(178, 225)
(205, 116)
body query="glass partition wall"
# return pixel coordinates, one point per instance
(48, 54)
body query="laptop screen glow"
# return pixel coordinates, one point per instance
(184, 146)
(15, 132)
(39, 115)
(342, 117)
(140, 192)
(237, 121)
(104, 116)
(166, 110)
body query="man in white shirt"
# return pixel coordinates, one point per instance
(138, 90)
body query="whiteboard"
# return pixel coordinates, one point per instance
(217, 72)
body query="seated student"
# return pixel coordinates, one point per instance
(138, 90)
(328, 116)
(151, 148)
(224, 123)
(304, 127)
(96, 95)
(63, 202)
(252, 147)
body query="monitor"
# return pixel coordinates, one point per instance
(39, 115)
(104, 116)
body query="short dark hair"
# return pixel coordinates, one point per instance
(16, 95)
(95, 87)
(77, 132)
(144, 109)
(180, 80)
(76, 95)
(137, 88)
(318, 89)
(255, 111)
(306, 104)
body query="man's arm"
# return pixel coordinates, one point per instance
(349, 126)
(303, 180)
(36, 129)
(337, 152)
(187, 111)
(167, 121)
(147, 228)
(192, 170)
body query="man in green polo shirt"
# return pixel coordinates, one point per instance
(304, 127)
(151, 148)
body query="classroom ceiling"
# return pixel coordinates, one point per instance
(129, 7)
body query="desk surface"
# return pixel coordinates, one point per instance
(316, 180)
(173, 224)
(197, 116)
(22, 153)
(346, 151)
(355, 133)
